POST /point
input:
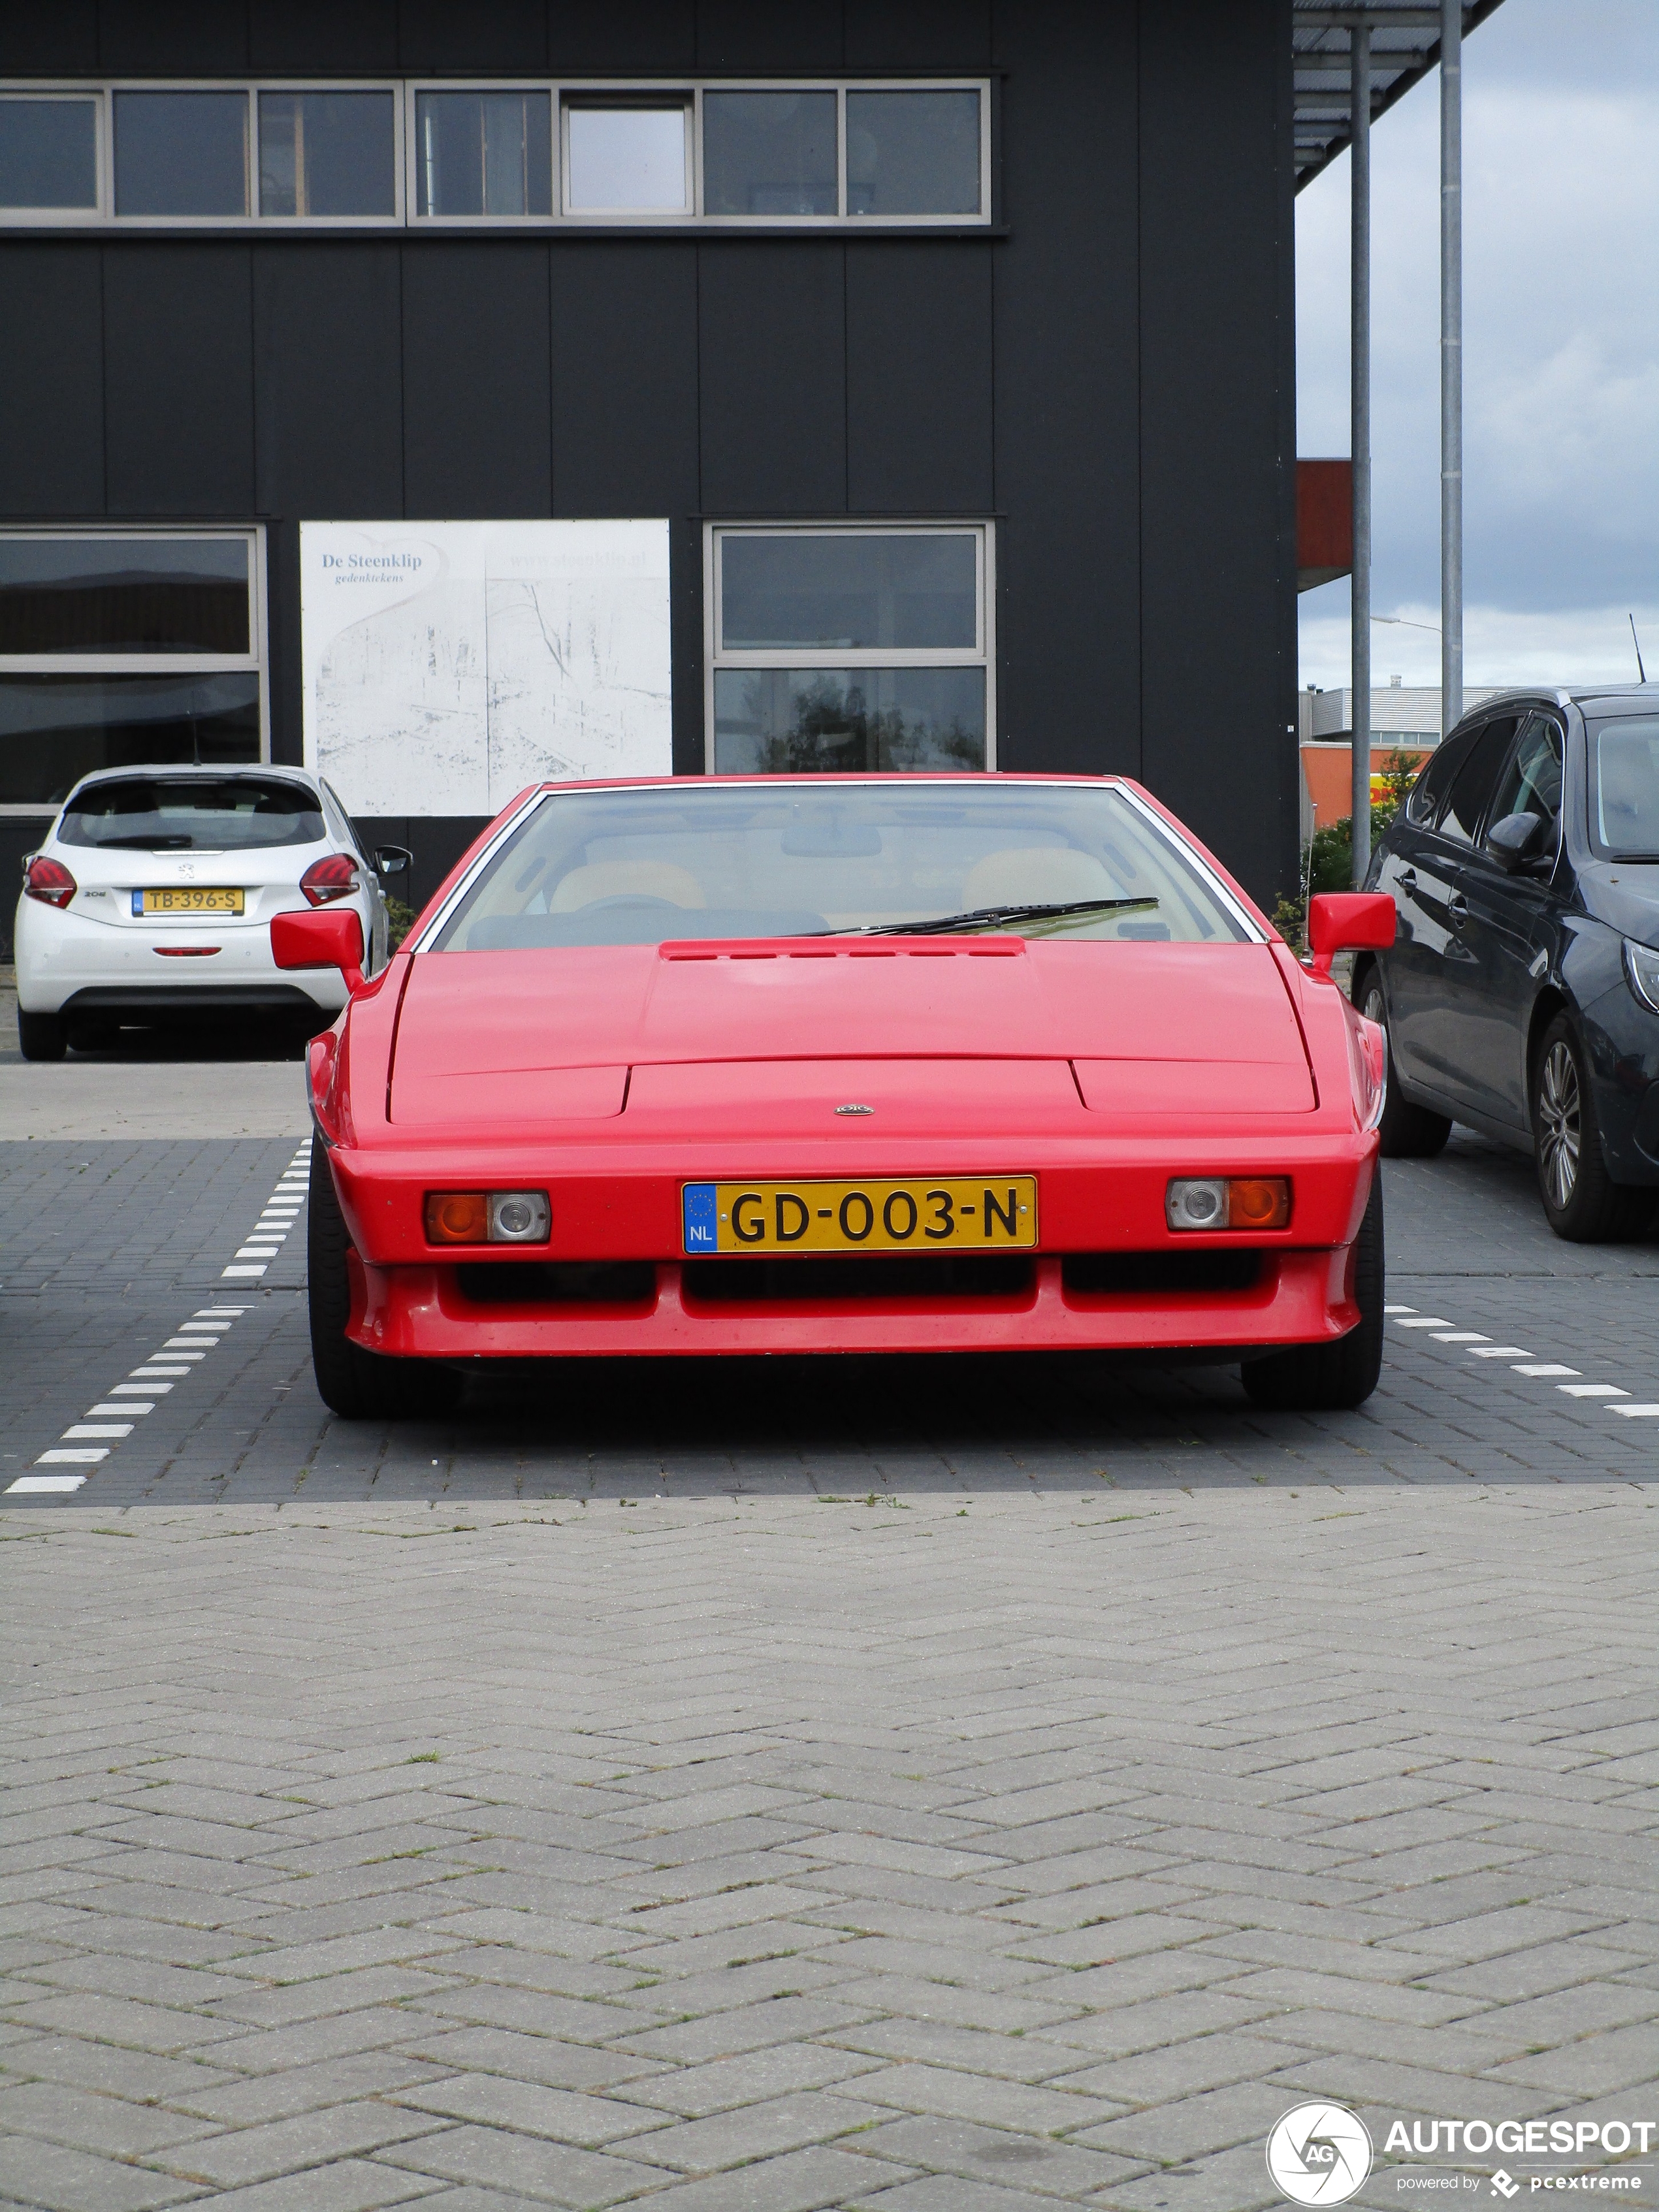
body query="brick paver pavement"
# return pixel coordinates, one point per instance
(962, 1788)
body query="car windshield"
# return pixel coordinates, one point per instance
(1624, 774)
(796, 858)
(204, 814)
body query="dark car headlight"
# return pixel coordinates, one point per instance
(1642, 973)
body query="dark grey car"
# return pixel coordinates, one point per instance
(1521, 995)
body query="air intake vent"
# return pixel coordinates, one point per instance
(558, 1282)
(1153, 1273)
(988, 1275)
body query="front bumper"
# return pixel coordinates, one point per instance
(616, 1204)
(1300, 1297)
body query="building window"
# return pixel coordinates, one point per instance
(627, 158)
(487, 153)
(48, 155)
(181, 152)
(119, 648)
(857, 155)
(769, 154)
(913, 153)
(850, 647)
(328, 153)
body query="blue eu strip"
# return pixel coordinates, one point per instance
(701, 1218)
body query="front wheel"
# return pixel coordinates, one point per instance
(1582, 1201)
(358, 1385)
(41, 1036)
(1324, 1378)
(1406, 1132)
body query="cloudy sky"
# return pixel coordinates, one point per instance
(1561, 344)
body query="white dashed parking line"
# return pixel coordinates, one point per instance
(279, 1214)
(86, 1443)
(1612, 1397)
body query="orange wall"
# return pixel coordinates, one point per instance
(1329, 768)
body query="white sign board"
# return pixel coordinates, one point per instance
(449, 663)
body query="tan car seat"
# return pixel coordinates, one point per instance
(1034, 875)
(602, 879)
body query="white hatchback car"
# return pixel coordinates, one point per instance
(185, 866)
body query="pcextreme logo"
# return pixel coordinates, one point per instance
(1319, 2153)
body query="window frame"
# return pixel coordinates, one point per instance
(102, 160)
(717, 657)
(687, 103)
(562, 92)
(410, 195)
(256, 660)
(326, 222)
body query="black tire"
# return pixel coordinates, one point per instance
(358, 1385)
(1324, 1378)
(1406, 1132)
(41, 1036)
(1582, 1202)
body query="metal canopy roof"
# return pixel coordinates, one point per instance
(1405, 47)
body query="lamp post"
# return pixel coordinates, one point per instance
(1451, 364)
(1360, 186)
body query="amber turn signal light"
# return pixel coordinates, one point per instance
(458, 1217)
(1258, 1203)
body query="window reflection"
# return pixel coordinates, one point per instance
(483, 153)
(181, 152)
(776, 720)
(123, 595)
(56, 729)
(844, 589)
(627, 159)
(48, 153)
(326, 153)
(769, 153)
(913, 153)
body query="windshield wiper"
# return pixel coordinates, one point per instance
(986, 917)
(143, 844)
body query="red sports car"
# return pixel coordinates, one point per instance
(813, 1064)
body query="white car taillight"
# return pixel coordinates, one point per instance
(332, 877)
(49, 881)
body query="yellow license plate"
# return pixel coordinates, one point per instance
(951, 1214)
(187, 899)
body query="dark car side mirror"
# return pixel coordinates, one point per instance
(1516, 839)
(392, 859)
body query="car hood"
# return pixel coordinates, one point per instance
(511, 1038)
(1624, 894)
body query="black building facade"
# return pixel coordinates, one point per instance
(1041, 299)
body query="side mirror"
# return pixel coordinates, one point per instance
(392, 859)
(326, 937)
(1516, 839)
(1349, 921)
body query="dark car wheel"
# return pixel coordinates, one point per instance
(1406, 1132)
(359, 1385)
(1582, 1201)
(41, 1036)
(1323, 1378)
